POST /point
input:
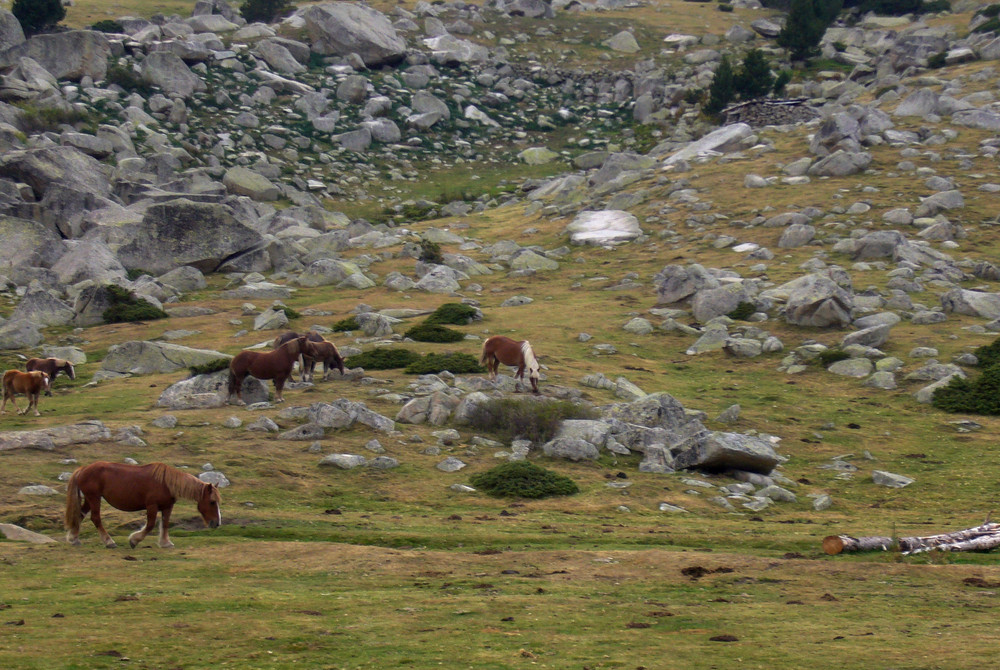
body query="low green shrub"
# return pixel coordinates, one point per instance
(430, 252)
(991, 26)
(265, 11)
(742, 311)
(989, 11)
(725, 7)
(455, 363)
(382, 359)
(430, 332)
(522, 479)
(36, 119)
(937, 61)
(977, 396)
(535, 420)
(128, 79)
(344, 325)
(126, 308)
(108, 26)
(210, 367)
(289, 312)
(452, 313)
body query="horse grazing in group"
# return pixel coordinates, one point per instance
(499, 349)
(52, 367)
(318, 350)
(31, 384)
(130, 488)
(274, 365)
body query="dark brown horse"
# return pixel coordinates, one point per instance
(274, 365)
(30, 384)
(319, 350)
(52, 367)
(499, 349)
(130, 488)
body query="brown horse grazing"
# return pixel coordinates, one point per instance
(52, 367)
(274, 365)
(28, 383)
(499, 349)
(319, 350)
(154, 488)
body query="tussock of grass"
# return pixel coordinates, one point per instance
(522, 479)
(534, 420)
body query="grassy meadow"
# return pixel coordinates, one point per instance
(324, 568)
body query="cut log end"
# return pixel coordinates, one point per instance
(833, 544)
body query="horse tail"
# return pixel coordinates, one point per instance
(486, 354)
(73, 511)
(232, 382)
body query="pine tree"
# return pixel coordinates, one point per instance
(723, 87)
(36, 16)
(806, 23)
(754, 78)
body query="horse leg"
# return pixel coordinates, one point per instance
(95, 516)
(519, 375)
(33, 404)
(3, 406)
(279, 384)
(139, 535)
(164, 524)
(239, 389)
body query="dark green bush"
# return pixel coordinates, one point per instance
(990, 11)
(935, 6)
(725, 7)
(210, 367)
(453, 313)
(382, 359)
(344, 325)
(742, 311)
(430, 332)
(781, 81)
(831, 356)
(126, 308)
(289, 312)
(991, 26)
(975, 396)
(36, 16)
(430, 252)
(456, 363)
(522, 479)
(108, 26)
(535, 420)
(264, 11)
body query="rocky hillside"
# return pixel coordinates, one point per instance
(310, 153)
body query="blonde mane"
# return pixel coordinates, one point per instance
(180, 484)
(530, 362)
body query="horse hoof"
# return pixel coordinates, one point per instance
(75, 541)
(111, 545)
(168, 545)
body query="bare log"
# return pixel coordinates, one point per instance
(839, 544)
(979, 538)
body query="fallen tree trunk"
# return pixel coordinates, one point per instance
(980, 538)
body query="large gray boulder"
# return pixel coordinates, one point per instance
(168, 71)
(677, 282)
(73, 54)
(40, 168)
(729, 451)
(604, 227)
(818, 302)
(207, 391)
(11, 33)
(340, 28)
(19, 334)
(139, 357)
(27, 244)
(184, 232)
(452, 51)
(710, 303)
(43, 307)
(972, 303)
(726, 138)
(841, 163)
(244, 181)
(54, 437)
(88, 260)
(657, 418)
